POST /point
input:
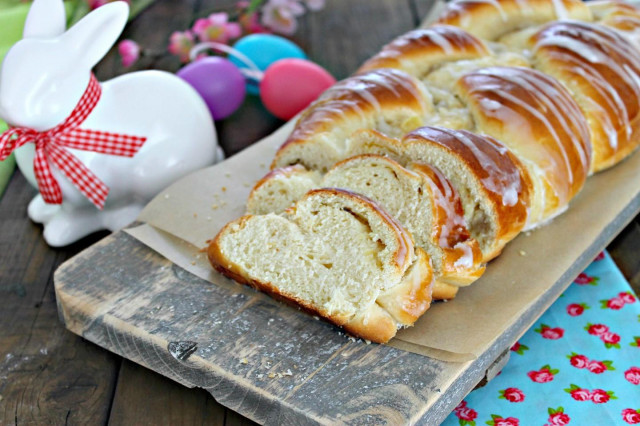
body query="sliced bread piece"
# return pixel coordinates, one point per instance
(422, 201)
(492, 183)
(336, 254)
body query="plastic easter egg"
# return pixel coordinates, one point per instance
(263, 50)
(219, 82)
(290, 85)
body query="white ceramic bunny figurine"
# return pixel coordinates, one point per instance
(43, 78)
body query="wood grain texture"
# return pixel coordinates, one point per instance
(47, 375)
(243, 350)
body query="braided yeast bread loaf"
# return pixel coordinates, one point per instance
(467, 132)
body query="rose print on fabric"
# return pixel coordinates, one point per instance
(599, 257)
(584, 279)
(597, 396)
(519, 349)
(632, 375)
(610, 339)
(512, 395)
(618, 302)
(631, 416)
(557, 417)
(615, 304)
(577, 309)
(545, 374)
(636, 342)
(550, 333)
(465, 415)
(497, 420)
(594, 366)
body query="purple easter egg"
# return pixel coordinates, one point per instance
(219, 82)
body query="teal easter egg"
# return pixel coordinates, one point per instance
(263, 50)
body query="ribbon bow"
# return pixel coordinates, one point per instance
(51, 146)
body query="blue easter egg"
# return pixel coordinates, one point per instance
(263, 50)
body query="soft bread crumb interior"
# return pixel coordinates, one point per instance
(334, 255)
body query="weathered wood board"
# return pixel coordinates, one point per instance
(270, 363)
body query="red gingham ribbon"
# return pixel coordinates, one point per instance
(52, 145)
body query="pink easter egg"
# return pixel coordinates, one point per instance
(219, 82)
(290, 85)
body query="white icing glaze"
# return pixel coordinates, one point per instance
(467, 258)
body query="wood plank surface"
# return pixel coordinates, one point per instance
(47, 375)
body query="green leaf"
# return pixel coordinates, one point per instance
(554, 371)
(546, 366)
(551, 411)
(585, 306)
(603, 304)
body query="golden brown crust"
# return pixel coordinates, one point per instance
(491, 19)
(536, 117)
(504, 178)
(281, 172)
(444, 291)
(357, 102)
(602, 70)
(418, 51)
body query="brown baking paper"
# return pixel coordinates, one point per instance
(533, 269)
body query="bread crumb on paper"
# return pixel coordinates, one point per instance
(523, 253)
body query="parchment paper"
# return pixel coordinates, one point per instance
(193, 210)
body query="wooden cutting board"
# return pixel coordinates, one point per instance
(272, 364)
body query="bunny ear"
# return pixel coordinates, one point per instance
(46, 19)
(91, 38)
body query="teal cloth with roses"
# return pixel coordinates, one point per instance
(578, 365)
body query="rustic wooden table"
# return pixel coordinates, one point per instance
(49, 375)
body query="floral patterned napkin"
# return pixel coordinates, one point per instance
(579, 364)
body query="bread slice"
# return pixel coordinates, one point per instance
(423, 201)
(493, 185)
(336, 254)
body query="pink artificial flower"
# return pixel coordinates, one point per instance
(129, 52)
(180, 44)
(280, 15)
(216, 27)
(251, 24)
